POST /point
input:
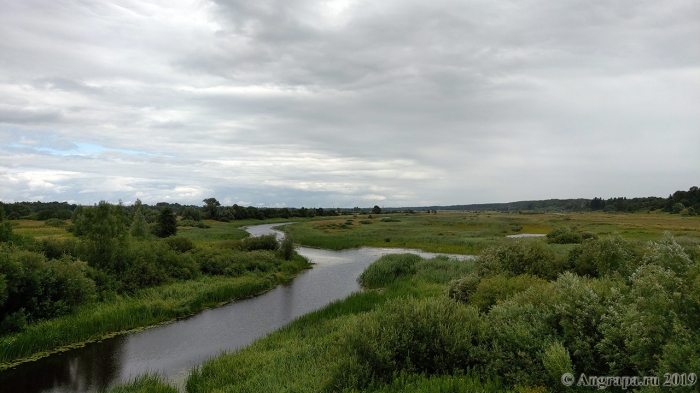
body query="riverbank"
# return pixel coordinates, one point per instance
(146, 308)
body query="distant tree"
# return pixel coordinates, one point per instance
(139, 226)
(166, 225)
(677, 208)
(287, 247)
(211, 208)
(597, 204)
(104, 228)
(5, 226)
(189, 213)
(376, 210)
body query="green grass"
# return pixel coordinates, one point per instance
(218, 232)
(148, 383)
(38, 230)
(469, 233)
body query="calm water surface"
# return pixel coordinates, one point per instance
(175, 348)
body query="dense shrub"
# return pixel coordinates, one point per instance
(602, 257)
(55, 222)
(427, 336)
(267, 242)
(287, 247)
(5, 227)
(191, 214)
(35, 288)
(462, 289)
(491, 290)
(166, 223)
(235, 263)
(522, 256)
(563, 235)
(179, 243)
(514, 337)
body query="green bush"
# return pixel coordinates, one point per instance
(513, 340)
(668, 254)
(287, 247)
(491, 290)
(462, 289)
(179, 243)
(235, 263)
(35, 288)
(641, 320)
(191, 214)
(432, 336)
(522, 256)
(563, 235)
(265, 242)
(365, 222)
(604, 257)
(55, 222)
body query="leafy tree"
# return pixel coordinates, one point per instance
(139, 226)
(211, 208)
(167, 223)
(5, 227)
(677, 208)
(189, 213)
(104, 229)
(376, 210)
(287, 247)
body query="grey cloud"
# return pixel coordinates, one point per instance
(298, 103)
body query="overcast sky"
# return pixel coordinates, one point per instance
(347, 103)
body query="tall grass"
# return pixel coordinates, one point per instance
(146, 308)
(147, 383)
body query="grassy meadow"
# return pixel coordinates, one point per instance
(469, 233)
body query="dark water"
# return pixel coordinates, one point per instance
(175, 348)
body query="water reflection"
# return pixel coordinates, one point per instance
(175, 348)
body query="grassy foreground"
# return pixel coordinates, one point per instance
(148, 307)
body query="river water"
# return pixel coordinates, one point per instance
(173, 349)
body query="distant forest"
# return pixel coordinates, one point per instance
(682, 202)
(678, 202)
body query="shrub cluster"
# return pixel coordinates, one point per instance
(33, 287)
(114, 252)
(572, 235)
(614, 308)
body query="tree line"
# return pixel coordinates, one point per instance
(116, 249)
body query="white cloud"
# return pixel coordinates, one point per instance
(342, 102)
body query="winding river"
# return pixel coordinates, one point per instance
(173, 349)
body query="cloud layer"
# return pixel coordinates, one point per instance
(347, 103)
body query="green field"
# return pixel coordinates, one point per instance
(469, 233)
